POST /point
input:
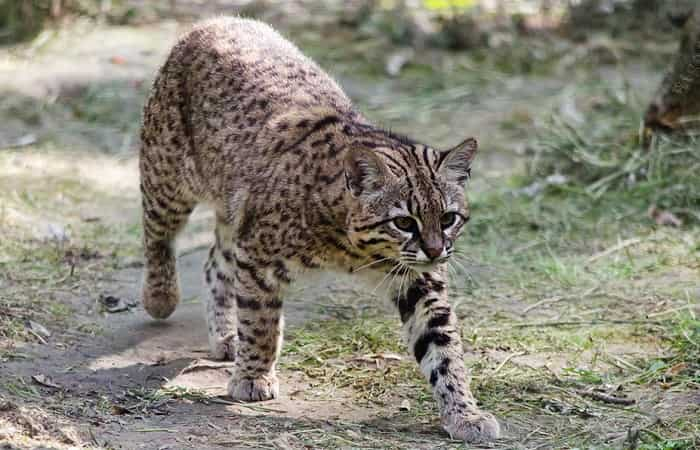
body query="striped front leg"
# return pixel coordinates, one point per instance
(432, 334)
(259, 338)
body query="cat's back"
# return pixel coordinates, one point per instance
(232, 60)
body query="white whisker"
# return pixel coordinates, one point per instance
(403, 278)
(370, 264)
(398, 265)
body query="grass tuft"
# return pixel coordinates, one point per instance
(602, 152)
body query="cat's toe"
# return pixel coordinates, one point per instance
(473, 428)
(258, 389)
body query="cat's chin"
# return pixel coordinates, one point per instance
(425, 267)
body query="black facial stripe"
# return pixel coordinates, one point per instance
(413, 153)
(391, 158)
(372, 241)
(373, 225)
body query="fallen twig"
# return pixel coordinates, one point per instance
(550, 300)
(206, 365)
(576, 323)
(505, 361)
(606, 398)
(155, 430)
(614, 249)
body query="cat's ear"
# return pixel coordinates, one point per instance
(455, 164)
(365, 172)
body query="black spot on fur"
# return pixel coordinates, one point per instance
(246, 227)
(430, 337)
(275, 303)
(429, 302)
(407, 303)
(247, 303)
(442, 368)
(281, 272)
(439, 320)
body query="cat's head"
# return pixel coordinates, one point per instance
(406, 201)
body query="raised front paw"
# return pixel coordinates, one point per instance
(258, 389)
(472, 427)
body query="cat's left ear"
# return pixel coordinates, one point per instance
(455, 164)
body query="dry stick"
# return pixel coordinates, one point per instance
(244, 405)
(669, 311)
(606, 398)
(576, 323)
(155, 430)
(550, 300)
(37, 335)
(505, 361)
(206, 365)
(616, 248)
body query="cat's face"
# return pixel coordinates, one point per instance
(407, 203)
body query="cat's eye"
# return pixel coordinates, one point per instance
(406, 223)
(448, 219)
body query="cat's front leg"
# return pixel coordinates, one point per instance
(259, 338)
(432, 335)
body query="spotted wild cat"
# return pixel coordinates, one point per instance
(299, 181)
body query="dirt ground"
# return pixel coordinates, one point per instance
(73, 375)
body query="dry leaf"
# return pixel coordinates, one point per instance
(664, 218)
(676, 369)
(45, 381)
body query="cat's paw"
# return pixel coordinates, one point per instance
(161, 299)
(222, 348)
(473, 428)
(258, 389)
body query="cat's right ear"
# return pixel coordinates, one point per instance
(365, 172)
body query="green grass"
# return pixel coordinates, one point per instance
(604, 155)
(360, 355)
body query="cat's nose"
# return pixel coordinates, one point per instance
(433, 249)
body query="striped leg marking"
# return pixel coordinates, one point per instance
(432, 335)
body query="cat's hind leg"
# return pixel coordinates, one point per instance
(164, 215)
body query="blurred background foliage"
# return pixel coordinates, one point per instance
(453, 24)
(440, 51)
